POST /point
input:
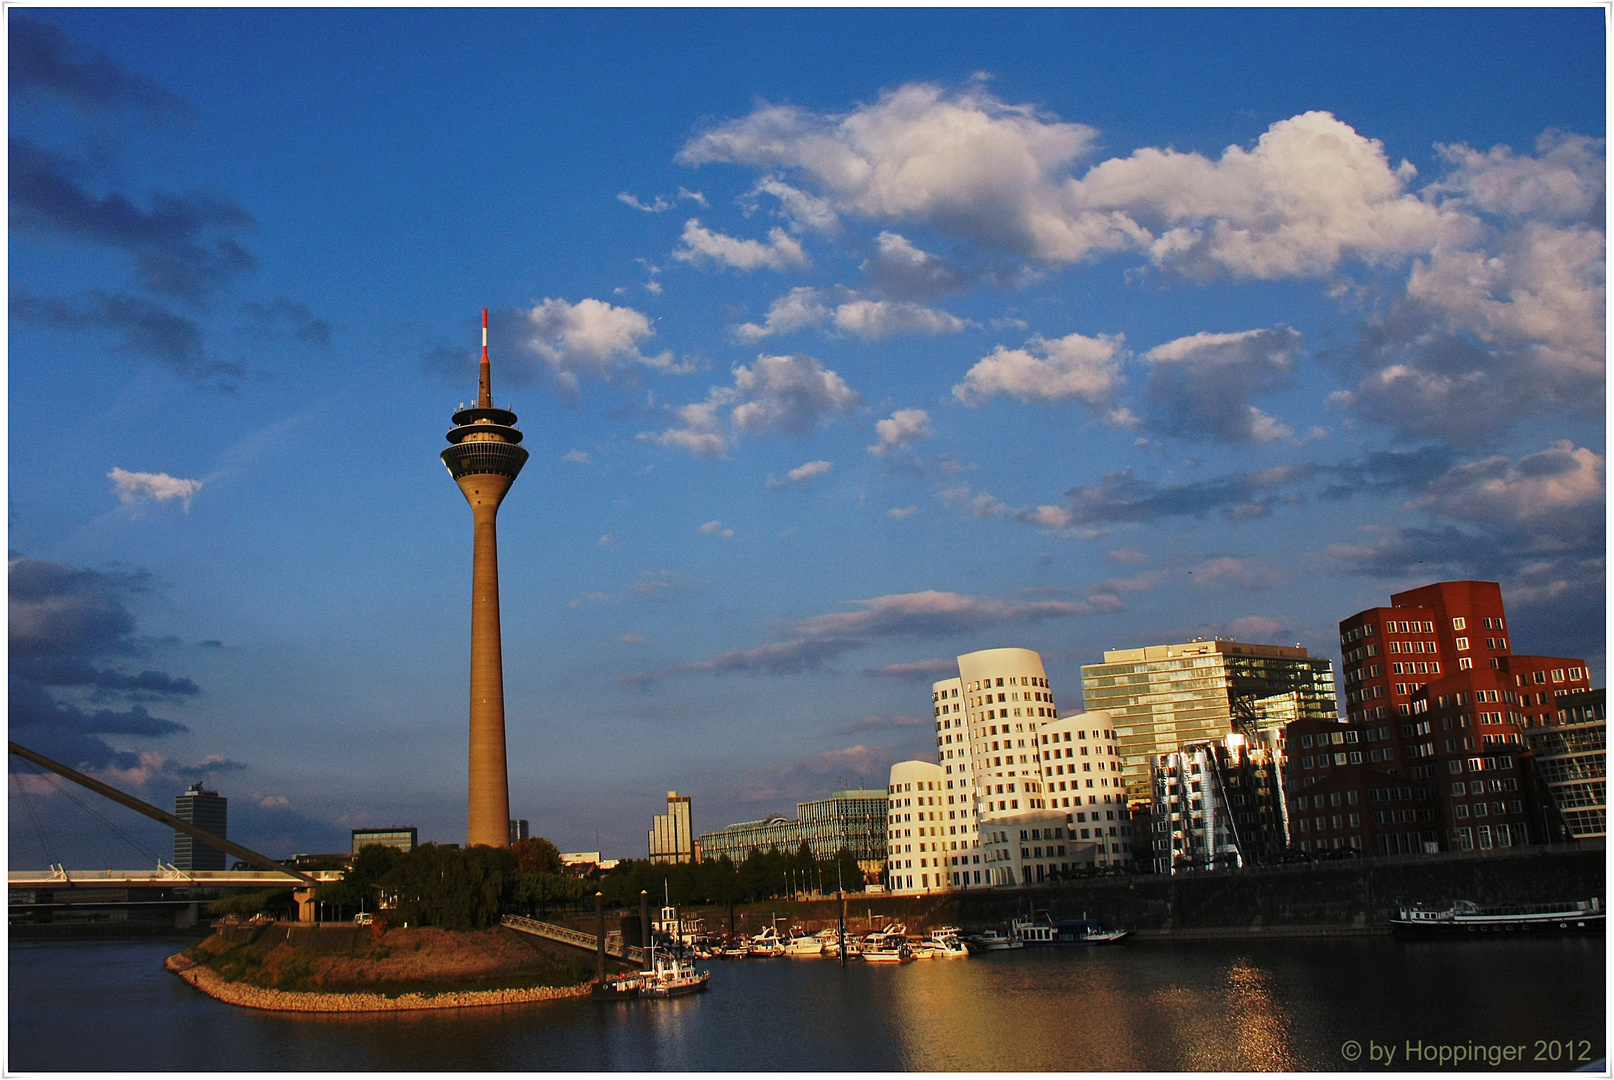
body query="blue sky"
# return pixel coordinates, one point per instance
(843, 342)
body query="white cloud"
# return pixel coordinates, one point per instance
(1075, 366)
(792, 394)
(576, 457)
(901, 431)
(781, 252)
(799, 475)
(605, 542)
(135, 487)
(900, 512)
(715, 528)
(591, 337)
(804, 307)
(803, 211)
(654, 207)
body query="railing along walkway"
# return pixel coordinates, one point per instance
(565, 935)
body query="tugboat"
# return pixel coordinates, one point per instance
(670, 974)
(1466, 917)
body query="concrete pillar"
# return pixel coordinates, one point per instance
(599, 932)
(305, 904)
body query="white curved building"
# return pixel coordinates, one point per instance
(914, 828)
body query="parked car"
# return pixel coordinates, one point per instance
(364, 918)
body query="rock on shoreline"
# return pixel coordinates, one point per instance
(214, 985)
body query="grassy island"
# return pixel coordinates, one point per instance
(346, 969)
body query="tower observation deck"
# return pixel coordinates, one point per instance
(484, 458)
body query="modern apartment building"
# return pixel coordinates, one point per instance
(1163, 697)
(206, 810)
(1005, 759)
(1218, 805)
(1571, 760)
(671, 838)
(1433, 749)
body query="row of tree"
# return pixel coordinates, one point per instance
(470, 888)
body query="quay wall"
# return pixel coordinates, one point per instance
(1308, 899)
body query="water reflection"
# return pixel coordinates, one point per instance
(1235, 1007)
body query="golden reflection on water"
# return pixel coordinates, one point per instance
(1072, 1009)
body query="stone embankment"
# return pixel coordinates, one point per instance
(255, 997)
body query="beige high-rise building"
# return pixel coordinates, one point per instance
(1163, 697)
(484, 460)
(672, 835)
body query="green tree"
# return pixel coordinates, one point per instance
(537, 856)
(454, 888)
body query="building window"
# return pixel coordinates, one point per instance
(1462, 644)
(1459, 623)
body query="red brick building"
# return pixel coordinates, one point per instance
(1432, 749)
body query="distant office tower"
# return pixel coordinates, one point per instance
(1163, 697)
(1218, 805)
(402, 837)
(671, 839)
(484, 460)
(1432, 756)
(206, 810)
(519, 830)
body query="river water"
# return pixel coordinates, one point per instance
(1289, 1005)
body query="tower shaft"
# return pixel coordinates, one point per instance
(488, 812)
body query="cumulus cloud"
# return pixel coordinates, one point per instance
(655, 206)
(135, 487)
(701, 246)
(901, 431)
(1200, 386)
(904, 272)
(715, 528)
(800, 308)
(965, 163)
(803, 211)
(1087, 369)
(589, 337)
(794, 395)
(900, 512)
(799, 475)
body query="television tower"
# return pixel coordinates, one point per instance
(484, 460)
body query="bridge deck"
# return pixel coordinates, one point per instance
(40, 879)
(565, 935)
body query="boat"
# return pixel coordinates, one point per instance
(945, 944)
(992, 941)
(887, 947)
(1466, 917)
(1064, 932)
(800, 943)
(672, 973)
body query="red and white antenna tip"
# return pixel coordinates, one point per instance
(484, 335)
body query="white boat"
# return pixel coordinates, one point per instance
(800, 943)
(669, 975)
(945, 944)
(766, 943)
(887, 948)
(992, 941)
(1466, 917)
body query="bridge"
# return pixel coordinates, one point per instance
(60, 877)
